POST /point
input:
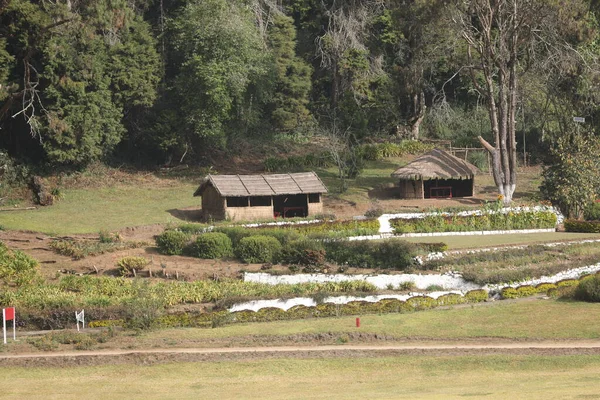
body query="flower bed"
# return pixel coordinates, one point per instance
(476, 222)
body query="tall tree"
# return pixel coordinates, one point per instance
(292, 82)
(504, 39)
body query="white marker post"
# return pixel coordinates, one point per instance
(7, 315)
(80, 317)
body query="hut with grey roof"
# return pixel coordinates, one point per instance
(436, 174)
(254, 197)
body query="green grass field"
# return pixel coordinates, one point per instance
(406, 377)
(91, 210)
(539, 319)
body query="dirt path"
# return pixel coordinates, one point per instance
(153, 356)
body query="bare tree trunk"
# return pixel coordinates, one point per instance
(419, 114)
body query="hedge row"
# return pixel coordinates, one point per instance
(287, 246)
(484, 222)
(385, 306)
(529, 290)
(573, 225)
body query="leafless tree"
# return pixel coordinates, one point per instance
(504, 39)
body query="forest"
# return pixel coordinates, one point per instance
(161, 82)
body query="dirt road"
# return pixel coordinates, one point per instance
(153, 356)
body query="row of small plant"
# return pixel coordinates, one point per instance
(484, 222)
(79, 249)
(323, 310)
(586, 288)
(517, 264)
(98, 291)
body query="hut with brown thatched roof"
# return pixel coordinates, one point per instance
(436, 174)
(254, 197)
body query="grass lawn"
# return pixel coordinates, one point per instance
(483, 241)
(536, 319)
(91, 210)
(406, 377)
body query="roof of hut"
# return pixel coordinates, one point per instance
(263, 185)
(437, 164)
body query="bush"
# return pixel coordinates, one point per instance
(592, 212)
(258, 249)
(171, 242)
(127, 265)
(476, 296)
(386, 254)
(16, 267)
(303, 252)
(212, 245)
(573, 225)
(588, 289)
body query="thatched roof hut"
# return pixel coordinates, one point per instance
(436, 174)
(251, 197)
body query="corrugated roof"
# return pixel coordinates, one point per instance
(263, 185)
(437, 164)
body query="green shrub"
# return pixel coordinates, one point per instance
(16, 267)
(127, 265)
(588, 289)
(476, 296)
(573, 225)
(450, 299)
(509, 293)
(258, 249)
(526, 291)
(386, 254)
(212, 245)
(191, 229)
(303, 252)
(171, 242)
(544, 287)
(592, 212)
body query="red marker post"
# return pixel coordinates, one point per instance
(8, 314)
(357, 322)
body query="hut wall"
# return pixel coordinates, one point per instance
(410, 189)
(213, 205)
(249, 213)
(315, 208)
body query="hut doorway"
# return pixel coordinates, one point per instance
(447, 188)
(289, 206)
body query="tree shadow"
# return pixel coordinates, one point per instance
(187, 215)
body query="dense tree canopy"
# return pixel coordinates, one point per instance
(163, 80)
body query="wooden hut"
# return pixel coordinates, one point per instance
(436, 174)
(253, 197)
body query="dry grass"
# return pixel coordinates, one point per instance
(493, 377)
(484, 241)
